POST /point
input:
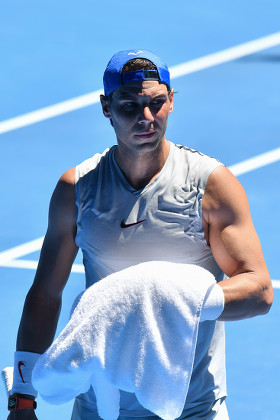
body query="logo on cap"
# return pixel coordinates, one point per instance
(138, 52)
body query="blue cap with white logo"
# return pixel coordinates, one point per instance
(114, 78)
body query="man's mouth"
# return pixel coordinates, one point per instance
(145, 134)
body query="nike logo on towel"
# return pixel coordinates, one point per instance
(19, 369)
(124, 225)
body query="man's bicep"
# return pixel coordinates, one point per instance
(232, 236)
(236, 248)
(59, 248)
(62, 209)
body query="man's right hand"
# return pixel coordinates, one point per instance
(26, 414)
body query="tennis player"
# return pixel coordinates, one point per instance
(145, 199)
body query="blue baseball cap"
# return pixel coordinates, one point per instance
(114, 78)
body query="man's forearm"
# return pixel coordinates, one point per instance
(245, 296)
(39, 321)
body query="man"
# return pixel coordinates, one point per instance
(145, 199)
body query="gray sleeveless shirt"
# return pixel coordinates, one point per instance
(118, 226)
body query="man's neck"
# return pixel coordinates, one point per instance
(140, 169)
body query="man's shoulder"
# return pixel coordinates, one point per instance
(68, 177)
(193, 154)
(197, 164)
(90, 164)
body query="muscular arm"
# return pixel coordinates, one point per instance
(236, 247)
(43, 302)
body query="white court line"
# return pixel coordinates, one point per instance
(226, 55)
(50, 112)
(255, 162)
(276, 284)
(9, 257)
(21, 250)
(32, 265)
(179, 70)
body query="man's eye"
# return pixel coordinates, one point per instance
(128, 106)
(157, 102)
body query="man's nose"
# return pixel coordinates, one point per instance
(146, 115)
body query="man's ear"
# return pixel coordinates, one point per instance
(171, 97)
(105, 106)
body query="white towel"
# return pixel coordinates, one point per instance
(135, 331)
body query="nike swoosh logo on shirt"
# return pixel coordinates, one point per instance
(19, 369)
(124, 225)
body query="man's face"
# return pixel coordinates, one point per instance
(139, 112)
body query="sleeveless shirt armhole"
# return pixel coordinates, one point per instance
(77, 186)
(208, 166)
(212, 168)
(77, 174)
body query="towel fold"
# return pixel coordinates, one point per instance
(135, 331)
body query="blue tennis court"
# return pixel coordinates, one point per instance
(225, 65)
